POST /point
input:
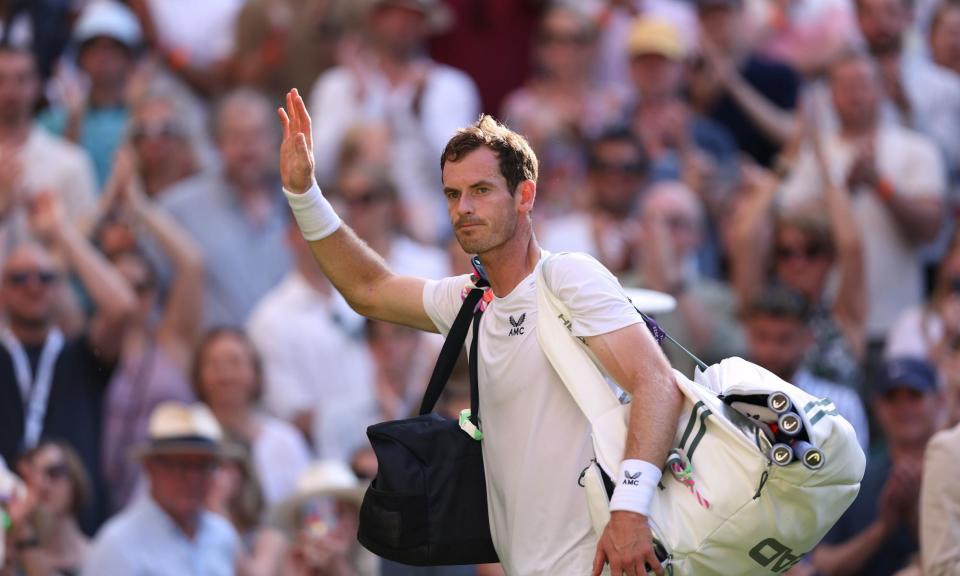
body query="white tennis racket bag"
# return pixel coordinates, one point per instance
(738, 496)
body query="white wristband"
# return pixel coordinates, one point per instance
(314, 214)
(636, 483)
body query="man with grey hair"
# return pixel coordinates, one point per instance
(233, 213)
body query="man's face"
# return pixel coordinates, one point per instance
(883, 23)
(777, 344)
(908, 416)
(721, 25)
(483, 213)
(28, 288)
(400, 29)
(19, 86)
(617, 176)
(106, 61)
(247, 142)
(180, 483)
(655, 76)
(945, 39)
(855, 90)
(369, 210)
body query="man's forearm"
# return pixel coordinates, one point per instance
(654, 411)
(919, 218)
(109, 291)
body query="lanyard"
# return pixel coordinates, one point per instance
(34, 391)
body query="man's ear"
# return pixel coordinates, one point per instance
(525, 196)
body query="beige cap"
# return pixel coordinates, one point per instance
(652, 36)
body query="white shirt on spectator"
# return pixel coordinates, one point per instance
(143, 539)
(279, 455)
(412, 258)
(912, 164)
(914, 334)
(204, 29)
(315, 358)
(536, 439)
(52, 163)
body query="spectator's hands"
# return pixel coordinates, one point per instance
(11, 179)
(296, 150)
(46, 215)
(863, 171)
(627, 545)
(651, 240)
(900, 496)
(72, 89)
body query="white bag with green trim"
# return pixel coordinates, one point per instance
(723, 506)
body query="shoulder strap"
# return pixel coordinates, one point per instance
(452, 347)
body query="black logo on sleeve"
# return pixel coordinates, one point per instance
(631, 479)
(517, 324)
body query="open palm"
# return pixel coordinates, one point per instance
(296, 150)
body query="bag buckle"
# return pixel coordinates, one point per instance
(469, 427)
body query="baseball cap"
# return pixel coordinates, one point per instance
(652, 36)
(110, 19)
(912, 373)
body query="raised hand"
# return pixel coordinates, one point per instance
(296, 150)
(46, 215)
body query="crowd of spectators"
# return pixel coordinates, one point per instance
(181, 388)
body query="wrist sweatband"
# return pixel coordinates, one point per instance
(635, 487)
(314, 214)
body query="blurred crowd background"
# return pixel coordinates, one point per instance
(788, 170)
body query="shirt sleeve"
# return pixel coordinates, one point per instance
(106, 557)
(441, 300)
(592, 293)
(940, 507)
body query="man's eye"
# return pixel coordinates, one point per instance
(482, 190)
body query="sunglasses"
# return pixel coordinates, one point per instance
(188, 467)
(806, 253)
(57, 471)
(632, 168)
(155, 130)
(367, 199)
(22, 278)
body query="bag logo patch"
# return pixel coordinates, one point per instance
(775, 556)
(631, 479)
(517, 324)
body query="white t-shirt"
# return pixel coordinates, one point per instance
(912, 163)
(204, 28)
(280, 455)
(536, 439)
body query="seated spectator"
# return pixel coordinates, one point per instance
(31, 159)
(945, 35)
(92, 111)
(670, 228)
(560, 105)
(158, 343)
(162, 144)
(372, 210)
(939, 500)
(321, 520)
(316, 365)
(896, 181)
(617, 176)
(227, 376)
(800, 248)
(168, 531)
(236, 495)
(777, 324)
(877, 535)
(390, 79)
(752, 96)
(70, 373)
(60, 488)
(236, 215)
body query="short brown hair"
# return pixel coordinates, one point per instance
(517, 159)
(207, 340)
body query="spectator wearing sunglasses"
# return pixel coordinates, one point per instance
(800, 249)
(616, 179)
(56, 478)
(163, 147)
(51, 384)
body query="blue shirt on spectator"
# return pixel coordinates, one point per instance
(101, 134)
(144, 540)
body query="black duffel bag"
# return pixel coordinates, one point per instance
(427, 505)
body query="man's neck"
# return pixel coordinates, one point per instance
(188, 524)
(15, 131)
(855, 132)
(106, 96)
(507, 265)
(30, 334)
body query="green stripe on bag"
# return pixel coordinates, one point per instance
(690, 423)
(700, 433)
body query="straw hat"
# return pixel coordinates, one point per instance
(177, 428)
(652, 36)
(326, 478)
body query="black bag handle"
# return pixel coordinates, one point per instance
(451, 350)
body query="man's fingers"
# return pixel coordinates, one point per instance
(284, 122)
(598, 559)
(302, 145)
(291, 110)
(654, 563)
(303, 116)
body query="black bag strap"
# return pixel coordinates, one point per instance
(452, 347)
(474, 377)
